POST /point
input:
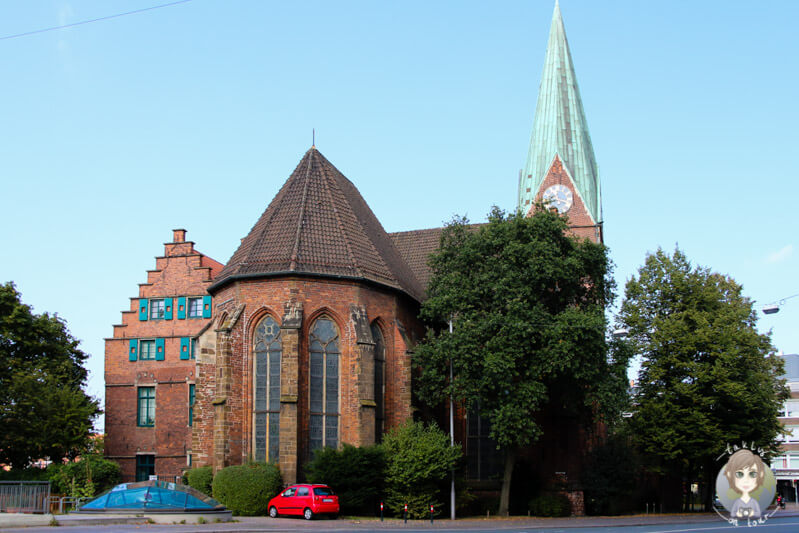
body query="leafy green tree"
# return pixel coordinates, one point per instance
(528, 304)
(706, 377)
(356, 474)
(418, 458)
(43, 410)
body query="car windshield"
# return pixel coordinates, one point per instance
(323, 491)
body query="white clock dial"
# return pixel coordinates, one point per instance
(558, 196)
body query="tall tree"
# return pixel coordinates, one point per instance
(43, 410)
(706, 377)
(528, 303)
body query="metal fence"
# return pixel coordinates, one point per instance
(24, 496)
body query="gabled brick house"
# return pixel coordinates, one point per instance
(149, 364)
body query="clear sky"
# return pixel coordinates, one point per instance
(192, 116)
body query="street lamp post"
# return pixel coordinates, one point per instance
(451, 435)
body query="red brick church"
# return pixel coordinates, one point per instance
(303, 338)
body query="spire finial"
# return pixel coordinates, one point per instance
(313, 137)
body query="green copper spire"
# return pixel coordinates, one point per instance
(560, 128)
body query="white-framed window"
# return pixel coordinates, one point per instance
(195, 307)
(791, 409)
(146, 350)
(157, 309)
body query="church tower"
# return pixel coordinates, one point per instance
(561, 169)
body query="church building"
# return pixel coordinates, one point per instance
(305, 336)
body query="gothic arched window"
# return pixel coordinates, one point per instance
(325, 353)
(380, 382)
(268, 349)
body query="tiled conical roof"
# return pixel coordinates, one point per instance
(560, 127)
(319, 224)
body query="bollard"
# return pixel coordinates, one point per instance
(381, 511)
(431, 513)
(405, 513)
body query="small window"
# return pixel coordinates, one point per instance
(195, 307)
(193, 346)
(288, 492)
(145, 415)
(146, 350)
(302, 491)
(323, 491)
(191, 403)
(157, 309)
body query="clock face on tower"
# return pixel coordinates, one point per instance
(558, 196)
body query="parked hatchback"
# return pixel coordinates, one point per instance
(306, 501)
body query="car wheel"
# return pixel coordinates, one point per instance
(273, 512)
(307, 514)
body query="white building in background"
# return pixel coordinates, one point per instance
(786, 465)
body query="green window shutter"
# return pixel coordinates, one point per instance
(181, 308)
(133, 350)
(167, 308)
(206, 307)
(159, 349)
(143, 308)
(184, 347)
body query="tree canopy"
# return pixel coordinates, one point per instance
(43, 410)
(706, 378)
(527, 300)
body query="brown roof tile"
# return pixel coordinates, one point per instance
(415, 247)
(319, 224)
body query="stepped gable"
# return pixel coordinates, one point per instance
(319, 224)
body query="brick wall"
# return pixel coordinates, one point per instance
(245, 303)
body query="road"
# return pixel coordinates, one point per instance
(686, 524)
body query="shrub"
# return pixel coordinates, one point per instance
(89, 476)
(356, 474)
(200, 479)
(418, 459)
(550, 504)
(247, 489)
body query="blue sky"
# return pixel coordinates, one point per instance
(192, 116)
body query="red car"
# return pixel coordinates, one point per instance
(305, 501)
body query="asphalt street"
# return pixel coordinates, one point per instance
(639, 524)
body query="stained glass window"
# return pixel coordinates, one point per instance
(380, 380)
(268, 350)
(324, 384)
